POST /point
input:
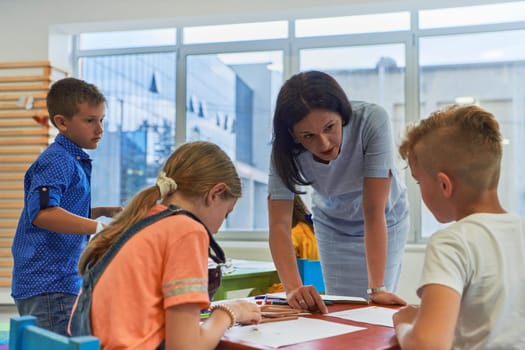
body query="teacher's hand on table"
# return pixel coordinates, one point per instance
(386, 298)
(306, 298)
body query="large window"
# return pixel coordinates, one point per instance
(230, 101)
(373, 73)
(219, 83)
(487, 69)
(139, 125)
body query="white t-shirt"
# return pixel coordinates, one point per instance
(482, 257)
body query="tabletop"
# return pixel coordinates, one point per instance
(373, 337)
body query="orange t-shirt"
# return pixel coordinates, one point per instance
(304, 242)
(163, 265)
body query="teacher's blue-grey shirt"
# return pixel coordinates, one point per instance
(367, 150)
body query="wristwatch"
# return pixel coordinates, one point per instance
(375, 290)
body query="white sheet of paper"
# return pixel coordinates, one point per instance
(372, 314)
(275, 334)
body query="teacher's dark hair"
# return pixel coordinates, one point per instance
(300, 95)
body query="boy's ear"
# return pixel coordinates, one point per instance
(60, 122)
(445, 184)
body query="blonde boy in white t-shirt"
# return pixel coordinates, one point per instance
(473, 281)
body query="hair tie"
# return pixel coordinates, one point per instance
(165, 184)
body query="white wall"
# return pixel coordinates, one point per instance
(34, 30)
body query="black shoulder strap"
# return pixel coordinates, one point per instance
(100, 266)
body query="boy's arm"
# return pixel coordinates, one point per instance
(432, 325)
(59, 220)
(108, 212)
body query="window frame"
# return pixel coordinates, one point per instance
(291, 47)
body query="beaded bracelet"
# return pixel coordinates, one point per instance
(226, 309)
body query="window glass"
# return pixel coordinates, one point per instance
(375, 23)
(235, 32)
(125, 39)
(139, 130)
(230, 101)
(487, 69)
(372, 73)
(472, 15)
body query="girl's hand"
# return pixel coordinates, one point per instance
(245, 312)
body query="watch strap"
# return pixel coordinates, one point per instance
(374, 290)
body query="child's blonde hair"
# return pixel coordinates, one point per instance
(195, 166)
(463, 141)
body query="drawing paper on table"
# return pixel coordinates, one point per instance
(277, 334)
(373, 314)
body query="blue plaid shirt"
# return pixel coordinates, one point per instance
(45, 261)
